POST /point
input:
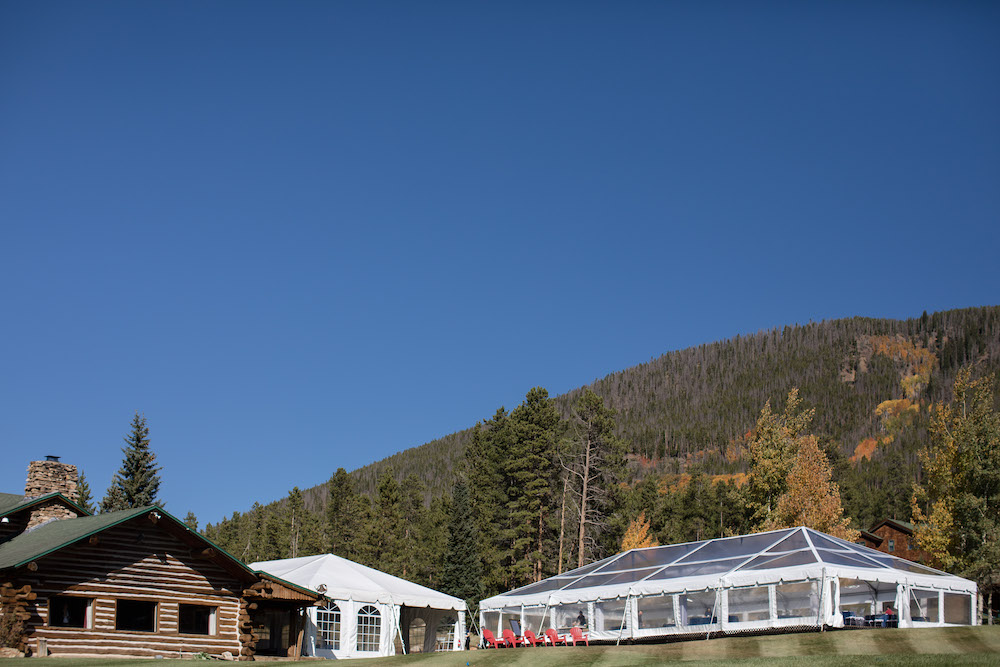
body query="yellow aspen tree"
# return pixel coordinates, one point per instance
(812, 499)
(637, 535)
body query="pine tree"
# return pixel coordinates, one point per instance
(138, 481)
(346, 514)
(597, 466)
(386, 528)
(84, 498)
(191, 521)
(486, 458)
(462, 575)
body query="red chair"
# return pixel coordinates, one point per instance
(510, 639)
(531, 638)
(578, 636)
(491, 640)
(555, 638)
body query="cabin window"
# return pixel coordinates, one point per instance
(135, 615)
(328, 627)
(69, 612)
(196, 619)
(892, 545)
(369, 628)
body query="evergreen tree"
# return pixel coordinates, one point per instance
(191, 521)
(386, 528)
(138, 481)
(296, 512)
(346, 514)
(486, 459)
(597, 466)
(84, 498)
(530, 473)
(462, 575)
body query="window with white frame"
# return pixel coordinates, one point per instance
(445, 636)
(328, 627)
(369, 628)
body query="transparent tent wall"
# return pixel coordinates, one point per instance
(565, 616)
(610, 615)
(696, 608)
(491, 621)
(534, 617)
(747, 605)
(511, 614)
(800, 600)
(865, 597)
(924, 606)
(655, 611)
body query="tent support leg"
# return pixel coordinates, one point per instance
(621, 628)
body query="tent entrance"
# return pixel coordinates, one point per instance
(427, 630)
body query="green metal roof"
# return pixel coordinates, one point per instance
(54, 535)
(10, 503)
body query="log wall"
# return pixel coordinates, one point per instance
(135, 561)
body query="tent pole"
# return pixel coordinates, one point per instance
(621, 628)
(822, 589)
(545, 613)
(399, 623)
(718, 597)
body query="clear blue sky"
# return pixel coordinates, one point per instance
(306, 235)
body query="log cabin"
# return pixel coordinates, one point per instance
(132, 583)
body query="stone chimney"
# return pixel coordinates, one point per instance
(50, 476)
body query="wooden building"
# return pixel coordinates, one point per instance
(138, 583)
(896, 538)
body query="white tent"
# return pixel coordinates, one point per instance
(779, 579)
(369, 609)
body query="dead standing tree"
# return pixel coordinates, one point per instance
(594, 462)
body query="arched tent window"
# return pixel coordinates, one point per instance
(369, 629)
(328, 627)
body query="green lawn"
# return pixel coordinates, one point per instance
(863, 648)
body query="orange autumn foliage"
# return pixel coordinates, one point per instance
(918, 361)
(637, 534)
(864, 450)
(812, 498)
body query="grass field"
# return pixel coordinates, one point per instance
(924, 647)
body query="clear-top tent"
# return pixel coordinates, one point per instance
(784, 578)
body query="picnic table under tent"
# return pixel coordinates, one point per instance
(369, 610)
(762, 582)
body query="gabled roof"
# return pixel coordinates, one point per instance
(344, 579)
(11, 503)
(871, 537)
(902, 526)
(55, 535)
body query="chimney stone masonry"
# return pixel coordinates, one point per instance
(51, 476)
(46, 477)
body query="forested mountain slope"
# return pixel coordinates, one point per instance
(686, 425)
(692, 407)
